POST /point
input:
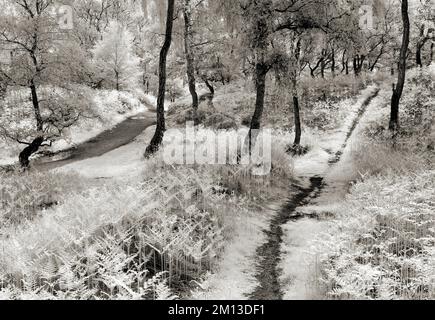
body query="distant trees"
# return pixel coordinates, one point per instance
(264, 20)
(217, 45)
(116, 64)
(157, 139)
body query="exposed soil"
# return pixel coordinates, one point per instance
(269, 253)
(109, 140)
(357, 119)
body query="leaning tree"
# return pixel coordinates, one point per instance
(40, 66)
(398, 88)
(157, 139)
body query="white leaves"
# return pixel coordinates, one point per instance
(116, 62)
(386, 257)
(115, 242)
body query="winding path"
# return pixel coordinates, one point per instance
(268, 272)
(124, 133)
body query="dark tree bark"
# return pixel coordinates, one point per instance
(313, 69)
(296, 109)
(378, 57)
(418, 58)
(209, 86)
(358, 62)
(34, 146)
(323, 64)
(157, 140)
(398, 89)
(420, 44)
(431, 54)
(261, 70)
(298, 127)
(190, 59)
(345, 62)
(322, 69)
(418, 55)
(3, 90)
(355, 65)
(29, 150)
(260, 84)
(36, 108)
(117, 80)
(333, 62)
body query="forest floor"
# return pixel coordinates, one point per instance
(109, 140)
(275, 237)
(268, 255)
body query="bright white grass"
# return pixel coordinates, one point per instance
(234, 277)
(65, 233)
(93, 229)
(381, 245)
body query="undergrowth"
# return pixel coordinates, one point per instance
(117, 242)
(382, 243)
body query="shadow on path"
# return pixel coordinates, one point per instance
(269, 254)
(109, 140)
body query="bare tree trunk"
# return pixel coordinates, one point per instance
(344, 62)
(333, 62)
(355, 65)
(29, 150)
(323, 64)
(209, 86)
(313, 69)
(157, 140)
(298, 127)
(117, 80)
(420, 44)
(296, 109)
(261, 70)
(34, 146)
(358, 62)
(431, 54)
(190, 60)
(398, 89)
(3, 90)
(260, 85)
(373, 66)
(35, 102)
(418, 55)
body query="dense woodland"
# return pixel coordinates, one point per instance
(94, 95)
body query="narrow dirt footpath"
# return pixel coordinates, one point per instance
(268, 273)
(269, 254)
(109, 140)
